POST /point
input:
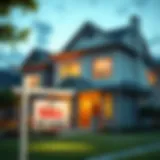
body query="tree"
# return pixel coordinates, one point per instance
(7, 99)
(7, 5)
(8, 32)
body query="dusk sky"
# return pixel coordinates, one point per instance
(64, 17)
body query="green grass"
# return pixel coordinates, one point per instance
(76, 147)
(149, 156)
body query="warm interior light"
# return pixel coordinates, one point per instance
(108, 108)
(102, 67)
(70, 69)
(87, 103)
(152, 77)
(32, 80)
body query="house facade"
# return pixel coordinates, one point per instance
(97, 81)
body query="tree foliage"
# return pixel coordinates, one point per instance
(8, 33)
(7, 5)
(7, 99)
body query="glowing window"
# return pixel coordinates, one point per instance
(32, 80)
(152, 77)
(102, 67)
(72, 69)
(108, 107)
(63, 70)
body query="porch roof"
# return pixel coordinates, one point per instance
(76, 83)
(81, 84)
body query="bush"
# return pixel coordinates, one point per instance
(150, 112)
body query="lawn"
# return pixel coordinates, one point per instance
(76, 147)
(153, 155)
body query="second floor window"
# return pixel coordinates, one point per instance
(102, 67)
(151, 77)
(32, 80)
(72, 69)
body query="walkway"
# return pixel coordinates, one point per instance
(128, 153)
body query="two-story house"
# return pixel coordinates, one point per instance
(96, 81)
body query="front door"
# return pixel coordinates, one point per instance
(88, 103)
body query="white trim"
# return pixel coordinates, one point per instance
(20, 90)
(24, 127)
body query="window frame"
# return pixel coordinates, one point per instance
(108, 73)
(152, 77)
(69, 72)
(30, 75)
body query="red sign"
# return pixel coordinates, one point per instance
(50, 113)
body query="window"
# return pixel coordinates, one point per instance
(152, 77)
(63, 70)
(102, 67)
(72, 69)
(108, 105)
(32, 80)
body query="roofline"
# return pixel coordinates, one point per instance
(28, 56)
(79, 53)
(78, 33)
(35, 67)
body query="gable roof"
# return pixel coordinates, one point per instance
(84, 29)
(89, 27)
(36, 57)
(106, 38)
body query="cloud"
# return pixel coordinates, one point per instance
(93, 2)
(122, 10)
(140, 3)
(127, 6)
(155, 40)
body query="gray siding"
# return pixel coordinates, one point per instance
(126, 69)
(86, 64)
(126, 111)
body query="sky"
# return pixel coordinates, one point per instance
(64, 17)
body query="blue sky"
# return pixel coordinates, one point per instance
(66, 16)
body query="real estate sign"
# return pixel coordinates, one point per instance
(51, 114)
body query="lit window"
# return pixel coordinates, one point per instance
(152, 77)
(75, 69)
(32, 80)
(72, 69)
(102, 67)
(63, 70)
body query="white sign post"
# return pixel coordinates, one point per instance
(26, 92)
(24, 125)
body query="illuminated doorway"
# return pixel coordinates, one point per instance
(89, 106)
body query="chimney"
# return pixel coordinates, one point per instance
(135, 23)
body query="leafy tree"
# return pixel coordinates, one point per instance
(8, 32)
(7, 5)
(7, 99)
